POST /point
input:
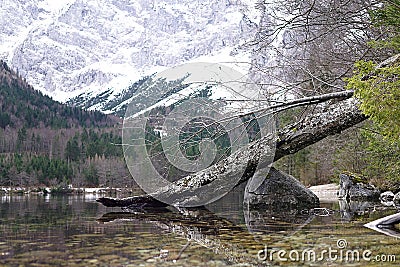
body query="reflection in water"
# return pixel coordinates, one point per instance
(386, 225)
(76, 231)
(352, 208)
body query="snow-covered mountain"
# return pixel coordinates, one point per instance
(67, 48)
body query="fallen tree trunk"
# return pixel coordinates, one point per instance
(332, 120)
(325, 121)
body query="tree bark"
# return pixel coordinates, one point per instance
(332, 120)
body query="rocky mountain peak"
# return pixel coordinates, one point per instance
(67, 47)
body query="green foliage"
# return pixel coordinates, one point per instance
(379, 92)
(43, 142)
(21, 137)
(90, 144)
(48, 169)
(72, 150)
(105, 143)
(378, 89)
(42, 168)
(382, 160)
(365, 151)
(21, 105)
(5, 120)
(91, 176)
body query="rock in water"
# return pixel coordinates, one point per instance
(354, 187)
(396, 198)
(282, 192)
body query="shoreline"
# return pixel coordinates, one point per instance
(326, 192)
(101, 191)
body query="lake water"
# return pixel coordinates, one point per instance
(77, 231)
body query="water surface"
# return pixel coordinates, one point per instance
(77, 231)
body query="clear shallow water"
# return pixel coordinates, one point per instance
(77, 231)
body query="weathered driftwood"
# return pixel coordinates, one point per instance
(145, 201)
(325, 121)
(333, 120)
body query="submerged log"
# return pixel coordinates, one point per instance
(145, 201)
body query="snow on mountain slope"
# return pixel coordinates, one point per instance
(114, 100)
(67, 48)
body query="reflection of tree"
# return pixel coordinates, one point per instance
(226, 227)
(198, 226)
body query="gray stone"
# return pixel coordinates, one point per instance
(396, 198)
(353, 187)
(282, 192)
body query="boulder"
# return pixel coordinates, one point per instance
(355, 187)
(396, 198)
(282, 192)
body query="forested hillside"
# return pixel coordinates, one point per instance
(21, 105)
(43, 142)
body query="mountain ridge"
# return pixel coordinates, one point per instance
(73, 47)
